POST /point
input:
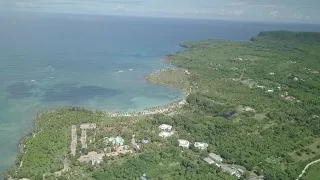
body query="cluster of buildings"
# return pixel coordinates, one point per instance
(167, 131)
(217, 160)
(117, 145)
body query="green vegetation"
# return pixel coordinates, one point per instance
(313, 173)
(272, 85)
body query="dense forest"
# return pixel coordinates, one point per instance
(255, 103)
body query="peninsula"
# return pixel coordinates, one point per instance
(251, 111)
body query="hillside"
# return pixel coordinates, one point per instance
(311, 38)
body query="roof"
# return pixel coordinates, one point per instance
(200, 144)
(88, 126)
(165, 126)
(144, 141)
(228, 169)
(183, 142)
(215, 157)
(165, 134)
(117, 139)
(208, 160)
(91, 156)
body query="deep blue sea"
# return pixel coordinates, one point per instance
(93, 61)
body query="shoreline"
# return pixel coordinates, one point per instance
(162, 109)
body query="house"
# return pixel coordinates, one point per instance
(165, 127)
(215, 157)
(184, 143)
(91, 156)
(88, 126)
(165, 134)
(201, 145)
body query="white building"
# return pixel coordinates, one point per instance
(165, 127)
(201, 145)
(209, 160)
(184, 143)
(88, 126)
(215, 157)
(165, 134)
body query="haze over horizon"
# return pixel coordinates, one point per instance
(249, 10)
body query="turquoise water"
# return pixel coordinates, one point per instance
(92, 61)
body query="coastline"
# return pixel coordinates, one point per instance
(210, 100)
(163, 109)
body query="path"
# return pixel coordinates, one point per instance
(307, 166)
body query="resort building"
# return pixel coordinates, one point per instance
(165, 130)
(215, 157)
(73, 146)
(209, 160)
(123, 149)
(84, 138)
(88, 126)
(229, 170)
(116, 141)
(165, 134)
(165, 127)
(201, 145)
(232, 171)
(184, 143)
(93, 156)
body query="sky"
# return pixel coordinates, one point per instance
(251, 10)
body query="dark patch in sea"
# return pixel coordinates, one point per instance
(74, 94)
(19, 90)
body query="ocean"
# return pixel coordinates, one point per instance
(98, 62)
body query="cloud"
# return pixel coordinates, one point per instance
(123, 2)
(228, 12)
(301, 17)
(235, 4)
(273, 13)
(120, 7)
(25, 4)
(269, 10)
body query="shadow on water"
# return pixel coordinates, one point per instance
(19, 90)
(74, 94)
